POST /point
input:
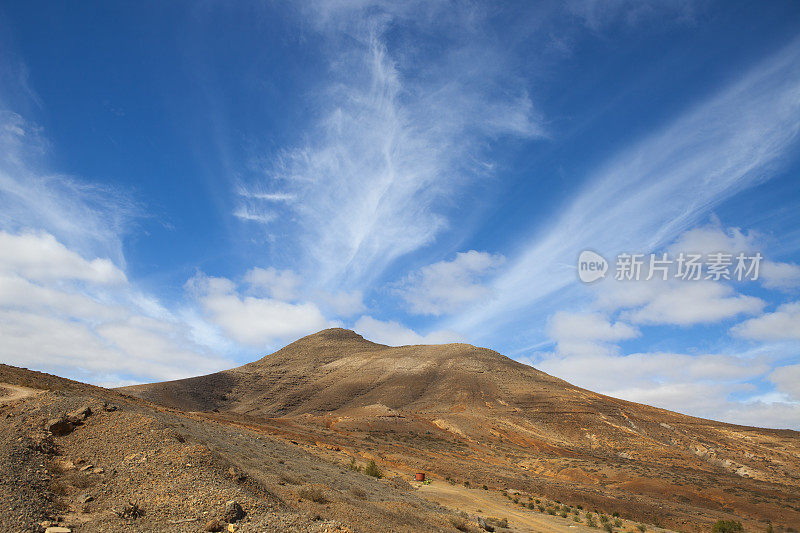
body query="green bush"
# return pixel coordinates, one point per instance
(373, 470)
(617, 522)
(608, 527)
(642, 528)
(727, 526)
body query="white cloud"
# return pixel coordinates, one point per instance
(395, 334)
(700, 385)
(780, 275)
(449, 286)
(278, 284)
(256, 322)
(587, 333)
(783, 324)
(77, 317)
(38, 256)
(714, 238)
(685, 303)
(787, 380)
(342, 303)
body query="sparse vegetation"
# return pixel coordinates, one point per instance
(641, 527)
(608, 527)
(130, 511)
(727, 526)
(373, 470)
(314, 494)
(617, 522)
(460, 524)
(485, 487)
(353, 466)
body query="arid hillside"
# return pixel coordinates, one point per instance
(473, 415)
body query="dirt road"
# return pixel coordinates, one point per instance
(493, 504)
(11, 393)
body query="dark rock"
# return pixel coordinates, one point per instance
(233, 512)
(130, 510)
(482, 523)
(213, 525)
(60, 426)
(237, 475)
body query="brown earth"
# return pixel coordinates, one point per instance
(471, 414)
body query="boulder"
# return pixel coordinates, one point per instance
(79, 415)
(213, 525)
(233, 511)
(60, 426)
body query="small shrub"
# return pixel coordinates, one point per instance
(563, 514)
(537, 500)
(485, 487)
(727, 526)
(373, 470)
(615, 514)
(541, 508)
(642, 528)
(130, 511)
(466, 484)
(460, 524)
(576, 518)
(314, 494)
(353, 466)
(608, 527)
(551, 511)
(617, 522)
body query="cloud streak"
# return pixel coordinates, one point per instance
(649, 193)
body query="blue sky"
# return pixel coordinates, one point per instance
(187, 186)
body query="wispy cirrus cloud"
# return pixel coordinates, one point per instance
(648, 194)
(395, 138)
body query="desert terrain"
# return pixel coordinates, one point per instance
(285, 444)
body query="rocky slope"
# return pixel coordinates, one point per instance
(473, 414)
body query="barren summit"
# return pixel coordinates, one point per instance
(473, 415)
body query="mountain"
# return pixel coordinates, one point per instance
(473, 415)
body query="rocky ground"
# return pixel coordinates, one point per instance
(119, 464)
